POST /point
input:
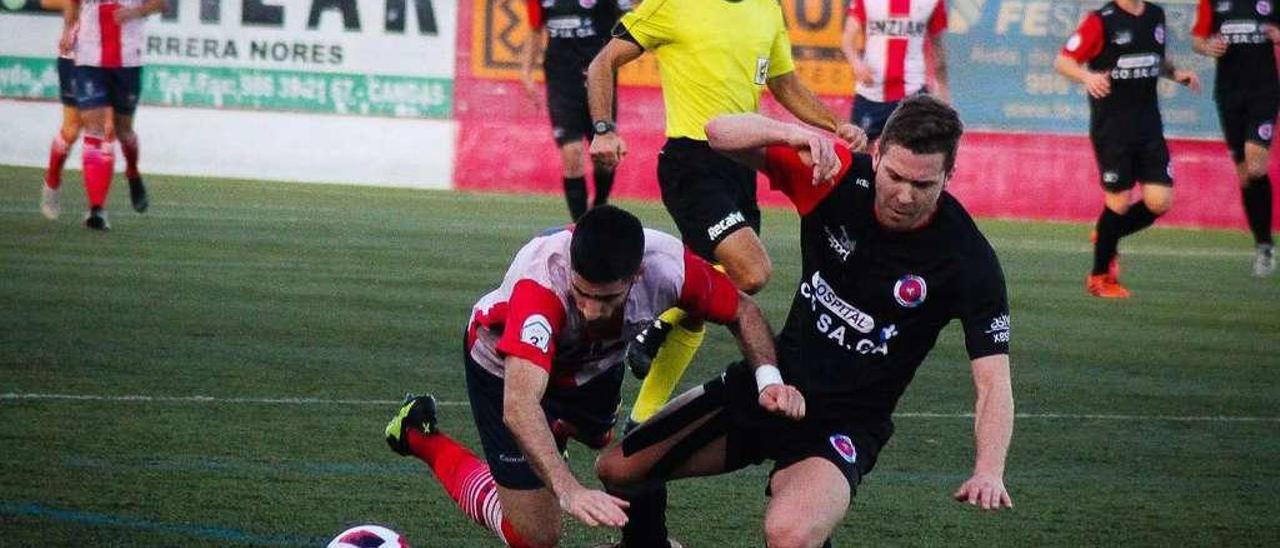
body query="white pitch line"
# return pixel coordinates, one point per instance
(138, 398)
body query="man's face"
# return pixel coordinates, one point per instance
(908, 186)
(600, 304)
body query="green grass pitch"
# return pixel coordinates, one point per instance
(1148, 422)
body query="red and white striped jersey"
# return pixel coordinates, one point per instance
(532, 315)
(102, 42)
(895, 32)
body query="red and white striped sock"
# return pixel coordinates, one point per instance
(467, 480)
(99, 161)
(57, 159)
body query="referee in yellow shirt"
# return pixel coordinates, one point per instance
(715, 57)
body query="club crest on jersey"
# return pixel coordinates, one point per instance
(1263, 7)
(910, 291)
(536, 332)
(844, 447)
(1224, 6)
(1159, 34)
(1110, 177)
(1123, 37)
(1265, 131)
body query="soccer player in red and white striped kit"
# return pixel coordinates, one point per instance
(885, 43)
(108, 40)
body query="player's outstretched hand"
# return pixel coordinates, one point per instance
(1215, 46)
(1187, 78)
(595, 508)
(1098, 84)
(783, 399)
(608, 150)
(853, 135)
(985, 491)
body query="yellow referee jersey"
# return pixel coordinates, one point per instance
(714, 56)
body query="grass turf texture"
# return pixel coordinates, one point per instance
(234, 289)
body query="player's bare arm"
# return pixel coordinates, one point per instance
(993, 430)
(608, 149)
(1097, 84)
(522, 413)
(806, 106)
(744, 137)
(534, 45)
(937, 46)
(123, 15)
(852, 43)
(70, 15)
(1213, 46)
(1185, 77)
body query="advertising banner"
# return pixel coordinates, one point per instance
(376, 58)
(1001, 55)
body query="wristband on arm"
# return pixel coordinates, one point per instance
(766, 376)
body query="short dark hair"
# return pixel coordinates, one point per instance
(607, 245)
(924, 124)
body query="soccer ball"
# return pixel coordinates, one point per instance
(368, 536)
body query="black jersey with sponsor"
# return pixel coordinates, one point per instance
(1249, 65)
(577, 30)
(1133, 54)
(872, 301)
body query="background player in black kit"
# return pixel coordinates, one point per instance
(889, 259)
(1118, 53)
(1242, 35)
(573, 32)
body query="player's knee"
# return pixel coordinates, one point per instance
(613, 471)
(1159, 205)
(790, 532)
(1254, 171)
(571, 160)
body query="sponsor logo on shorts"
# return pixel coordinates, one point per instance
(1110, 177)
(762, 71)
(734, 219)
(536, 332)
(511, 459)
(1265, 131)
(1263, 7)
(910, 291)
(844, 447)
(999, 329)
(1159, 34)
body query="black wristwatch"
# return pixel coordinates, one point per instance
(602, 127)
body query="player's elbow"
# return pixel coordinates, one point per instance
(1062, 65)
(753, 278)
(718, 133)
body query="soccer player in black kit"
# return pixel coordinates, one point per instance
(888, 259)
(1118, 53)
(1242, 35)
(573, 31)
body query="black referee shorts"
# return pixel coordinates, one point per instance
(567, 103)
(1247, 117)
(708, 195)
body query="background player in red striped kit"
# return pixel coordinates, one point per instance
(1242, 35)
(885, 43)
(108, 42)
(69, 131)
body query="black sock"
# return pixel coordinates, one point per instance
(1257, 208)
(575, 193)
(1108, 238)
(1137, 218)
(646, 517)
(604, 185)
